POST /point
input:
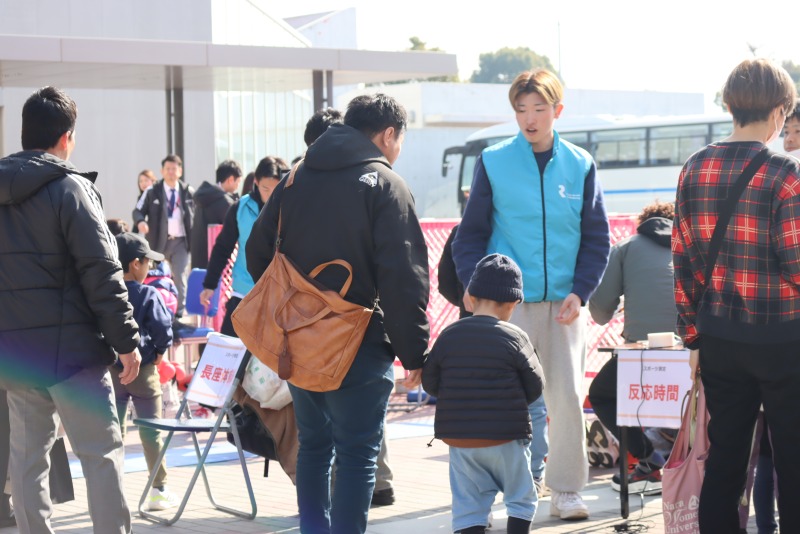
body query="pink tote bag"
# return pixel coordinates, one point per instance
(683, 473)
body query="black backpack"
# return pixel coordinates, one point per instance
(255, 437)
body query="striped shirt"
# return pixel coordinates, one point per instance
(754, 294)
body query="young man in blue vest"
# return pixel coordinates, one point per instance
(535, 198)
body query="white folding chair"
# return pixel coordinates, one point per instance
(213, 384)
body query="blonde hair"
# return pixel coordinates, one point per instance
(539, 81)
(756, 87)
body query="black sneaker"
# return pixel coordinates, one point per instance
(640, 482)
(384, 497)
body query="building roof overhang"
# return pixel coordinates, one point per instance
(35, 61)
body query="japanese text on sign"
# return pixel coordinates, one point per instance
(651, 385)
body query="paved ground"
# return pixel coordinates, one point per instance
(421, 487)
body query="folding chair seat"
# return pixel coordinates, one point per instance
(191, 337)
(213, 384)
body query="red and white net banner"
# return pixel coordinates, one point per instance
(441, 313)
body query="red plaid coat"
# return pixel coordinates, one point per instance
(754, 295)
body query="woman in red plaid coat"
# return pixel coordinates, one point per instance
(744, 323)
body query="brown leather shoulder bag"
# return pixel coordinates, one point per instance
(305, 332)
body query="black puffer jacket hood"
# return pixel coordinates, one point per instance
(24, 173)
(63, 304)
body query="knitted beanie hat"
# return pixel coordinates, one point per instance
(497, 278)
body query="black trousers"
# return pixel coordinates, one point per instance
(603, 396)
(227, 325)
(738, 378)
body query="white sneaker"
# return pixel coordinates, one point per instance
(568, 505)
(161, 500)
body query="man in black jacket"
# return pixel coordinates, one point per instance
(211, 203)
(164, 215)
(64, 317)
(347, 203)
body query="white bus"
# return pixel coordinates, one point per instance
(638, 160)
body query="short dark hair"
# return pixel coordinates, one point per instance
(372, 114)
(47, 115)
(174, 158)
(117, 226)
(228, 168)
(665, 210)
(270, 167)
(795, 113)
(319, 122)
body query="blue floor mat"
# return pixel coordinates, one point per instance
(221, 451)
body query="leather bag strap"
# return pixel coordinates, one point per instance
(287, 185)
(318, 269)
(311, 320)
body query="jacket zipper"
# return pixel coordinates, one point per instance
(544, 230)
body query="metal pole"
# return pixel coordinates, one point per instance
(168, 94)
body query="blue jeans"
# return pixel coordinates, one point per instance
(477, 474)
(349, 421)
(539, 441)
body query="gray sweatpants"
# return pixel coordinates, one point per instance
(85, 404)
(562, 351)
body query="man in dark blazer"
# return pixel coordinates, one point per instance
(164, 215)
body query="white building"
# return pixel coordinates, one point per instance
(207, 79)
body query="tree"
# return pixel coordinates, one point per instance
(418, 45)
(794, 72)
(504, 65)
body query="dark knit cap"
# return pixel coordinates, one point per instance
(497, 278)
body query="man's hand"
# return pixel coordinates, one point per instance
(467, 301)
(143, 227)
(414, 379)
(570, 309)
(205, 296)
(130, 366)
(694, 363)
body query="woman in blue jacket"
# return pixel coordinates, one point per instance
(235, 230)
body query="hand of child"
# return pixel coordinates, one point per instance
(570, 309)
(143, 227)
(414, 379)
(130, 366)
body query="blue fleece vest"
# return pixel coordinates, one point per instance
(537, 220)
(246, 217)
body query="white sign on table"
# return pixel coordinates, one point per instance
(651, 385)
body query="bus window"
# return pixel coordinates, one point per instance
(721, 130)
(467, 170)
(672, 145)
(619, 148)
(577, 138)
